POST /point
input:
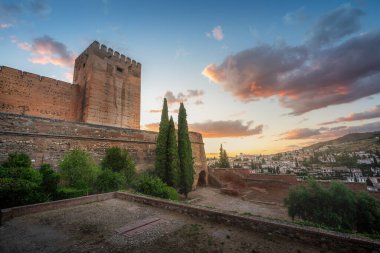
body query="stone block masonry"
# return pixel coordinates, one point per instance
(48, 140)
(106, 91)
(30, 94)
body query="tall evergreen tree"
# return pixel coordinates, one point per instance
(186, 171)
(172, 168)
(223, 158)
(162, 142)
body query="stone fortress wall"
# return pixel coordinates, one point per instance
(106, 91)
(30, 94)
(46, 118)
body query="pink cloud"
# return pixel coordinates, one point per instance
(5, 26)
(371, 113)
(326, 70)
(45, 50)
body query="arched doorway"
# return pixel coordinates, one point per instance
(202, 178)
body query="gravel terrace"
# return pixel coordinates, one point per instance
(93, 228)
(212, 198)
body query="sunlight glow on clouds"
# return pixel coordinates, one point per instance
(309, 76)
(45, 50)
(371, 113)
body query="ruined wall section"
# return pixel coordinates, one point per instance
(111, 87)
(30, 94)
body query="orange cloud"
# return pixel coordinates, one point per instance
(154, 111)
(310, 76)
(225, 128)
(152, 127)
(299, 133)
(371, 113)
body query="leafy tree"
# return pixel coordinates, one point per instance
(223, 158)
(162, 143)
(119, 160)
(336, 207)
(367, 214)
(186, 170)
(50, 179)
(18, 159)
(79, 170)
(20, 184)
(109, 181)
(171, 177)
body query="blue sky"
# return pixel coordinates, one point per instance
(251, 106)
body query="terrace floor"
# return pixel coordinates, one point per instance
(213, 198)
(121, 226)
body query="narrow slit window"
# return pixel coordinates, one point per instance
(120, 70)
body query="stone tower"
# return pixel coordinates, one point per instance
(110, 87)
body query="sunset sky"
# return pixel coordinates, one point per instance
(259, 77)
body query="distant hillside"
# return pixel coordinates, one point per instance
(351, 142)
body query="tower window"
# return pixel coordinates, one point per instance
(120, 70)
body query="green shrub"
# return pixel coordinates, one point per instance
(336, 207)
(50, 179)
(119, 160)
(67, 193)
(20, 184)
(367, 214)
(25, 173)
(15, 192)
(109, 181)
(152, 185)
(18, 159)
(79, 170)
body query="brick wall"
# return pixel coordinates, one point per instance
(31, 94)
(47, 141)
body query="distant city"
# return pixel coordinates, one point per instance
(323, 163)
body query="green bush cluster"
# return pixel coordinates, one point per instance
(20, 184)
(78, 175)
(118, 160)
(336, 207)
(152, 185)
(79, 170)
(109, 181)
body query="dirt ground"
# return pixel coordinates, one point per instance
(212, 198)
(96, 228)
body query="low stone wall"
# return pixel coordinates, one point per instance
(327, 240)
(9, 213)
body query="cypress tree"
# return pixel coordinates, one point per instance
(223, 158)
(172, 157)
(162, 142)
(186, 170)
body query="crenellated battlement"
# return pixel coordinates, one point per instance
(16, 73)
(106, 90)
(113, 55)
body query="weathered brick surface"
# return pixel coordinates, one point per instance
(106, 91)
(31, 94)
(48, 140)
(111, 87)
